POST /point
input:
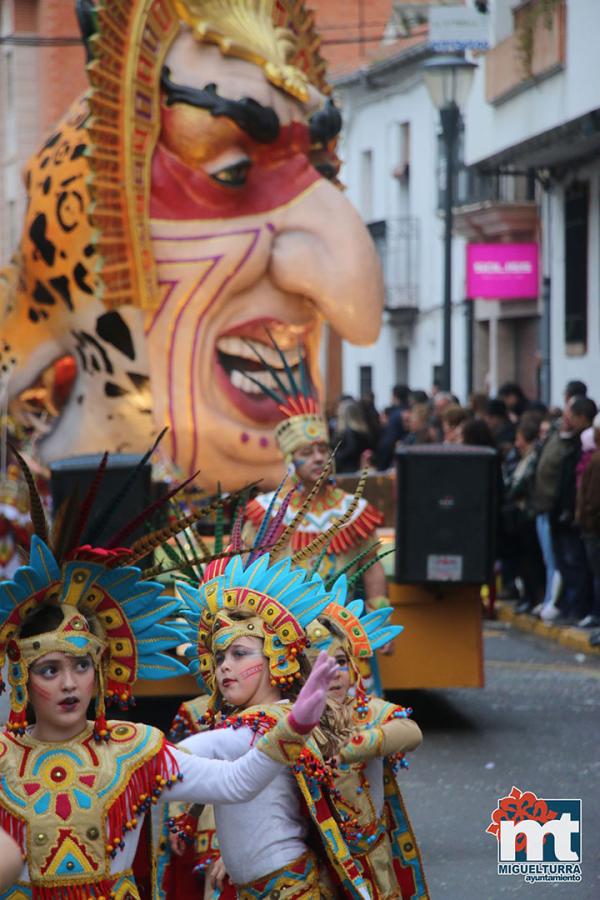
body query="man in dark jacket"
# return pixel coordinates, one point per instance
(588, 519)
(554, 505)
(569, 548)
(394, 430)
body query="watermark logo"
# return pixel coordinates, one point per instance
(538, 839)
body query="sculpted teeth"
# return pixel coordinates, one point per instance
(234, 346)
(240, 381)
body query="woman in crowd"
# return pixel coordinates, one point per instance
(588, 519)
(453, 418)
(519, 515)
(418, 421)
(352, 434)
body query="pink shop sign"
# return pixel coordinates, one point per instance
(502, 271)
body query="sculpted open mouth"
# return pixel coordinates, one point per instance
(238, 353)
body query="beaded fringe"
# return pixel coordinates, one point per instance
(101, 890)
(143, 789)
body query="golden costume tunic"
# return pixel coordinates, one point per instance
(74, 807)
(77, 807)
(373, 816)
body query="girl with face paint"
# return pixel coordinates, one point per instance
(375, 735)
(249, 623)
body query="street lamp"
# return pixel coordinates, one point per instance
(448, 80)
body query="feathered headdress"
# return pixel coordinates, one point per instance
(110, 614)
(303, 422)
(347, 624)
(110, 611)
(274, 602)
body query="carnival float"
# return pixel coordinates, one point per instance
(182, 212)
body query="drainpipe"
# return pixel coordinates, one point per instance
(545, 319)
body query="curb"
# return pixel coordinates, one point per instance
(574, 638)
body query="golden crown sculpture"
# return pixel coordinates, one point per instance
(245, 28)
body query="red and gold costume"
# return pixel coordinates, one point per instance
(367, 799)
(322, 516)
(325, 522)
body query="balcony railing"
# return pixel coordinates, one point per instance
(398, 245)
(471, 185)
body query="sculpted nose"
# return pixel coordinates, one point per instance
(323, 251)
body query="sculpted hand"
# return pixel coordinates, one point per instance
(309, 706)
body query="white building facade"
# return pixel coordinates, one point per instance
(530, 173)
(535, 108)
(391, 171)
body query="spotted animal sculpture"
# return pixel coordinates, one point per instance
(183, 209)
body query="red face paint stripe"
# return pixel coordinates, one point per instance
(252, 670)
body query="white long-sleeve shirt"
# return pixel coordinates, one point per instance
(257, 835)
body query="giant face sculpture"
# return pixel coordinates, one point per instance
(212, 224)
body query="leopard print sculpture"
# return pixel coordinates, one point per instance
(184, 209)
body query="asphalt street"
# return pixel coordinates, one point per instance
(535, 725)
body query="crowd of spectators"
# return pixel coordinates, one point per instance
(549, 522)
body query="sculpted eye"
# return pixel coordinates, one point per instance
(327, 170)
(233, 175)
(326, 162)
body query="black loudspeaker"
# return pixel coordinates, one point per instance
(447, 496)
(77, 473)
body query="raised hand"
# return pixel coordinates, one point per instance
(309, 706)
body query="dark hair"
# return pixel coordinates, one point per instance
(538, 407)
(401, 393)
(529, 427)
(476, 433)
(575, 389)
(41, 620)
(511, 387)
(478, 402)
(496, 407)
(48, 617)
(583, 406)
(419, 396)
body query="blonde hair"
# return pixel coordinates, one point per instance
(454, 415)
(350, 415)
(335, 727)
